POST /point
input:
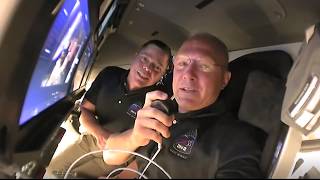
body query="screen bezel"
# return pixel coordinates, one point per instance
(19, 50)
(64, 26)
(82, 80)
(30, 136)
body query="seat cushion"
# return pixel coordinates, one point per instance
(276, 63)
(262, 101)
(261, 107)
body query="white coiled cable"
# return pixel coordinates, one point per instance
(121, 151)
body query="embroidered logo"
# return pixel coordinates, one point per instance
(183, 145)
(133, 110)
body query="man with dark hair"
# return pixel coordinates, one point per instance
(201, 140)
(110, 106)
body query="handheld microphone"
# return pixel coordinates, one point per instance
(166, 106)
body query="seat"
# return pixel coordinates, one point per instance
(255, 94)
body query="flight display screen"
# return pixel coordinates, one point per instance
(53, 76)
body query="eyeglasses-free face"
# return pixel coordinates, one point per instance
(147, 68)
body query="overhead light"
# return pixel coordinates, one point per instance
(304, 110)
(305, 94)
(141, 4)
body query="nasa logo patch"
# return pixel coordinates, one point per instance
(182, 146)
(133, 110)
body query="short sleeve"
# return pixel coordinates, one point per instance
(93, 91)
(105, 77)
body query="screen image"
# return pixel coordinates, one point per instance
(58, 59)
(83, 64)
(87, 72)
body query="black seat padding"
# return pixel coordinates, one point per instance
(261, 106)
(261, 101)
(277, 63)
(255, 94)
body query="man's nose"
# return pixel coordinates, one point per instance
(147, 67)
(190, 71)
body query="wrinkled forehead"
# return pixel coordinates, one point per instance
(199, 48)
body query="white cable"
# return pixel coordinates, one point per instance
(152, 160)
(76, 161)
(115, 150)
(126, 169)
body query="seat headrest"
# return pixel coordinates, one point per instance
(276, 63)
(262, 101)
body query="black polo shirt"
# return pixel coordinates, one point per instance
(208, 143)
(116, 106)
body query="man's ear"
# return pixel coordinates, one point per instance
(226, 79)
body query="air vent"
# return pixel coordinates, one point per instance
(203, 4)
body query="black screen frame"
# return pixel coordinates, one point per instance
(88, 66)
(34, 134)
(21, 45)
